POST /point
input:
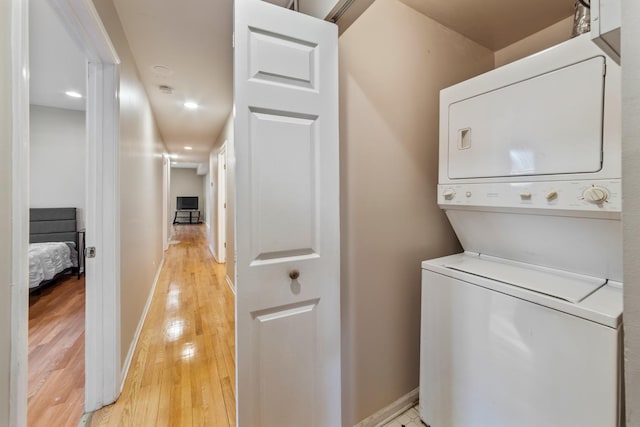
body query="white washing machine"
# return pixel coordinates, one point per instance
(524, 328)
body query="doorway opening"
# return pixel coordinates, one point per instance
(57, 204)
(222, 204)
(96, 208)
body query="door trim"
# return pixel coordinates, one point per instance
(102, 336)
(222, 200)
(20, 212)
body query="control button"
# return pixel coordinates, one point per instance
(468, 194)
(552, 195)
(449, 193)
(525, 196)
(595, 195)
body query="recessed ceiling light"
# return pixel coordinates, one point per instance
(188, 148)
(173, 156)
(190, 105)
(73, 94)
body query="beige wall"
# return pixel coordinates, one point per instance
(187, 182)
(141, 150)
(550, 36)
(631, 195)
(393, 63)
(5, 209)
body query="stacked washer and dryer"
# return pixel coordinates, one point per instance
(524, 329)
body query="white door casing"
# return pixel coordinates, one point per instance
(287, 218)
(102, 344)
(222, 204)
(102, 329)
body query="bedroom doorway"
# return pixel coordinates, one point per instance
(57, 205)
(91, 171)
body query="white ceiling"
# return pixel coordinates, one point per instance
(57, 64)
(495, 23)
(193, 40)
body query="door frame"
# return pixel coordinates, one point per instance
(166, 199)
(222, 201)
(102, 333)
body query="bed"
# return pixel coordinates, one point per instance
(53, 245)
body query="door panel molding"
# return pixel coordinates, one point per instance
(287, 218)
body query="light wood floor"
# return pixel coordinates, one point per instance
(56, 354)
(183, 369)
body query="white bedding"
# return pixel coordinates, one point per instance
(48, 259)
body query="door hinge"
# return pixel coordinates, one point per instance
(225, 245)
(90, 252)
(233, 40)
(225, 206)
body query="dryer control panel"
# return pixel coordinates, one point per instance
(596, 195)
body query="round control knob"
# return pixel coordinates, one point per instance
(596, 195)
(449, 194)
(551, 195)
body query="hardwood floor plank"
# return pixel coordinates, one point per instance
(56, 354)
(183, 369)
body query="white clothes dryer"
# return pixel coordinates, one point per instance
(523, 329)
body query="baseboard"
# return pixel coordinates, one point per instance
(388, 413)
(136, 337)
(230, 283)
(213, 253)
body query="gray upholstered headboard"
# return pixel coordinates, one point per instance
(52, 225)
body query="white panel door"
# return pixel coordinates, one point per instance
(287, 220)
(548, 124)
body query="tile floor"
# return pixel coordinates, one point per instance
(409, 418)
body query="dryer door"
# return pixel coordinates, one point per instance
(547, 124)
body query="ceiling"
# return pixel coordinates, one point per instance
(57, 64)
(494, 23)
(187, 45)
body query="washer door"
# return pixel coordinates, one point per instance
(492, 360)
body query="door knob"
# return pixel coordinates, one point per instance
(294, 274)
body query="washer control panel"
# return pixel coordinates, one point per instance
(597, 195)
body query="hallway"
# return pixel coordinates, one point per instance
(183, 369)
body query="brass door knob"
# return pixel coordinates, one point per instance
(294, 274)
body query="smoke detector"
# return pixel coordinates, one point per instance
(161, 70)
(166, 89)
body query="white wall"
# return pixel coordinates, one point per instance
(185, 182)
(58, 159)
(5, 208)
(141, 149)
(393, 63)
(631, 196)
